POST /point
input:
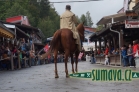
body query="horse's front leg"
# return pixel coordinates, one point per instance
(66, 60)
(72, 63)
(55, 60)
(76, 62)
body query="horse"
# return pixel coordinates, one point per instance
(64, 42)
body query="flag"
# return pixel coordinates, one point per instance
(80, 55)
(46, 48)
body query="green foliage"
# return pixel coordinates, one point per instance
(89, 19)
(40, 14)
(99, 27)
(86, 19)
(83, 19)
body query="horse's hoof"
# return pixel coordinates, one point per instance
(73, 72)
(56, 76)
(67, 76)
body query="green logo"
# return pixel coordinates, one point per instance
(82, 75)
(135, 74)
(108, 75)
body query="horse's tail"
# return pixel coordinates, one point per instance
(55, 40)
(53, 44)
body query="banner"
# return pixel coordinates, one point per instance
(46, 48)
(80, 55)
(131, 23)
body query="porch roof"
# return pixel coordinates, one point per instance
(108, 19)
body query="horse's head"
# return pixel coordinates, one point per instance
(80, 29)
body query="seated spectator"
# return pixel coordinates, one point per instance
(6, 56)
(2, 49)
(117, 51)
(15, 55)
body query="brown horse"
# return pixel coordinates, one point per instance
(64, 42)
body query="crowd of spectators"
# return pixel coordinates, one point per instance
(129, 53)
(24, 50)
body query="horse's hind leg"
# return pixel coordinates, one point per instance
(66, 60)
(76, 61)
(55, 60)
(72, 63)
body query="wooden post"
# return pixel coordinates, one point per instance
(44, 61)
(19, 63)
(121, 37)
(109, 44)
(114, 43)
(25, 61)
(29, 61)
(12, 63)
(95, 44)
(100, 44)
(105, 42)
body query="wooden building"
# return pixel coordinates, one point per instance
(117, 31)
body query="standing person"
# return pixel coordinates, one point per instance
(68, 20)
(93, 58)
(106, 60)
(23, 50)
(15, 55)
(135, 49)
(130, 54)
(124, 56)
(58, 58)
(106, 50)
(106, 55)
(7, 54)
(32, 57)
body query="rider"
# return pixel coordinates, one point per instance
(68, 20)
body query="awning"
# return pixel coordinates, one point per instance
(116, 18)
(21, 33)
(5, 32)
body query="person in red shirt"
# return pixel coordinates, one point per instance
(106, 50)
(135, 48)
(98, 51)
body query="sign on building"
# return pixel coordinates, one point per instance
(131, 23)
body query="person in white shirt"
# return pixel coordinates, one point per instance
(106, 60)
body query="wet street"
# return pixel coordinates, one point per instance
(41, 79)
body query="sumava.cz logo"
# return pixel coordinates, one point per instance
(108, 75)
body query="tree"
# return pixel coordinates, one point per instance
(40, 14)
(3, 7)
(78, 19)
(16, 10)
(83, 19)
(89, 19)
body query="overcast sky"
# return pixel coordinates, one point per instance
(97, 9)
